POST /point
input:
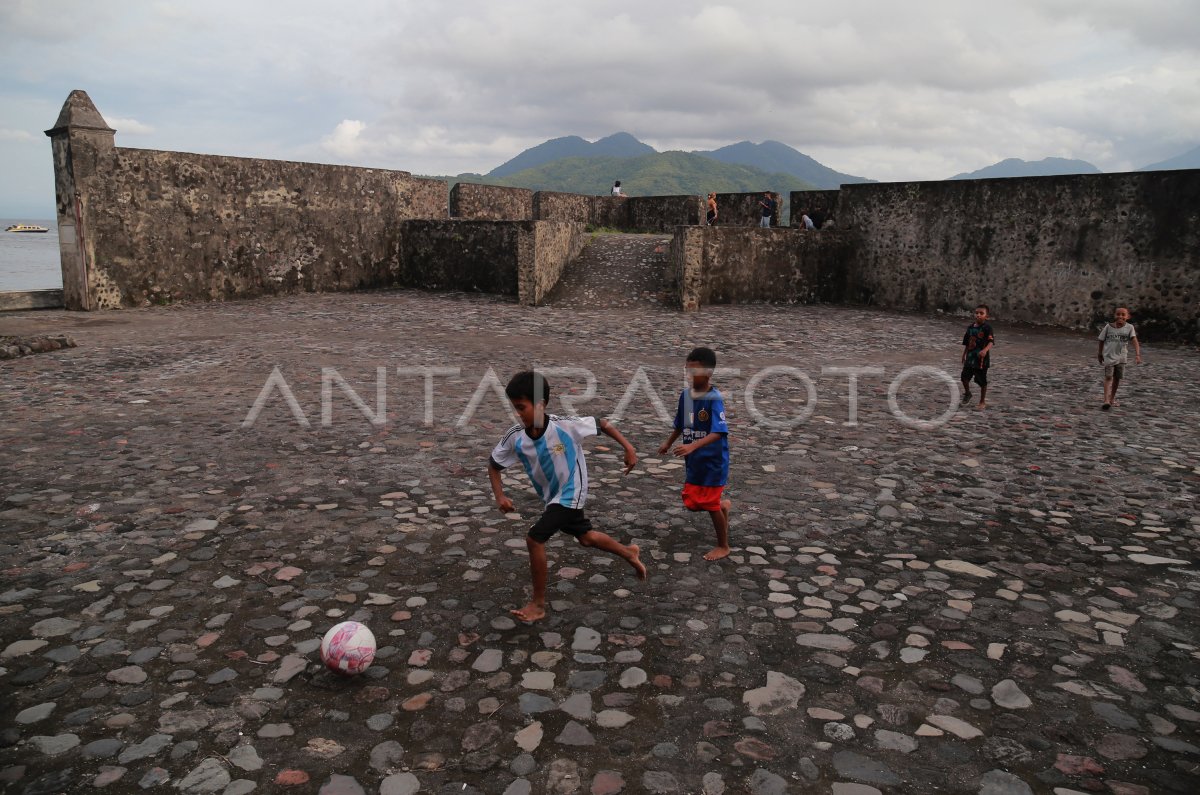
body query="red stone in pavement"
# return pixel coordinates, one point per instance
(755, 749)
(78, 566)
(662, 680)
(607, 782)
(417, 702)
(1078, 765)
(1125, 788)
(207, 639)
(401, 615)
(291, 778)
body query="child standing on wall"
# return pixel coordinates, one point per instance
(550, 449)
(1114, 353)
(700, 420)
(976, 356)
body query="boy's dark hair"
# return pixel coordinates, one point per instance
(985, 308)
(704, 356)
(523, 384)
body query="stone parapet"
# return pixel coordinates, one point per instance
(472, 202)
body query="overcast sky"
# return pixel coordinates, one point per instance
(892, 91)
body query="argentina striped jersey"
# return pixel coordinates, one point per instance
(553, 461)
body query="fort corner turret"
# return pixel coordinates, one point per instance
(80, 140)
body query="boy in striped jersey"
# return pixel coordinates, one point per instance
(550, 449)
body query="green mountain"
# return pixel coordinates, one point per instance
(620, 144)
(774, 157)
(658, 174)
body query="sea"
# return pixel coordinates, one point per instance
(29, 260)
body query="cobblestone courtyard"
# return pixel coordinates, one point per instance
(1004, 604)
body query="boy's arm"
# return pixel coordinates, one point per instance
(610, 430)
(1137, 350)
(502, 502)
(1100, 353)
(666, 446)
(688, 449)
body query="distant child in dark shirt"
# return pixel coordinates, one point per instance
(976, 357)
(700, 420)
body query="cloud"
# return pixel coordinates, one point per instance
(16, 135)
(922, 91)
(128, 126)
(346, 139)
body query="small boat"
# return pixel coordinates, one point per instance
(26, 228)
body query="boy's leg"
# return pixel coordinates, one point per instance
(966, 385)
(1108, 386)
(1116, 381)
(720, 520)
(981, 379)
(537, 573)
(605, 542)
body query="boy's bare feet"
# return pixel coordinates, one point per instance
(966, 397)
(636, 562)
(982, 405)
(716, 553)
(1115, 402)
(530, 612)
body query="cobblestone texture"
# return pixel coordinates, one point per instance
(1007, 603)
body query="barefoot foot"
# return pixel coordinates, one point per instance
(981, 406)
(636, 561)
(530, 612)
(716, 553)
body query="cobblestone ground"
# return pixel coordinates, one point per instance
(617, 270)
(1006, 603)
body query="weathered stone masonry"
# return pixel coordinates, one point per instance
(1061, 250)
(140, 226)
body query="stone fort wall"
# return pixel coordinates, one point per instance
(1061, 250)
(138, 227)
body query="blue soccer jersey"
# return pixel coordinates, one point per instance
(554, 461)
(694, 419)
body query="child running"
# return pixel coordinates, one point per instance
(1113, 353)
(550, 449)
(700, 419)
(976, 357)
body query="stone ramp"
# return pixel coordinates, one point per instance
(616, 270)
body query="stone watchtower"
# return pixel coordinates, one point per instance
(81, 142)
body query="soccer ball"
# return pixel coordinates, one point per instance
(348, 648)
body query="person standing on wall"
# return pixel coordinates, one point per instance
(711, 215)
(616, 189)
(768, 209)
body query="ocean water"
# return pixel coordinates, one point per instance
(29, 261)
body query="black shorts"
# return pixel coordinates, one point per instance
(978, 373)
(711, 217)
(557, 518)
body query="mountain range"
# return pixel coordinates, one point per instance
(769, 157)
(574, 164)
(1014, 167)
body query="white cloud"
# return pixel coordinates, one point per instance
(346, 139)
(16, 135)
(125, 126)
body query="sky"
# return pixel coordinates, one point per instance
(920, 90)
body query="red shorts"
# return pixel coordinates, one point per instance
(702, 498)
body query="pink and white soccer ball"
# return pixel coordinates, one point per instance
(348, 648)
